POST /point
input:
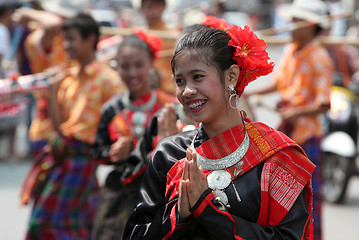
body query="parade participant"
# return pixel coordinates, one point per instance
(229, 178)
(44, 49)
(123, 121)
(152, 11)
(303, 78)
(64, 206)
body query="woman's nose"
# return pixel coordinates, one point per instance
(189, 91)
(132, 72)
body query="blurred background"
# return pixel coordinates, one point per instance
(116, 16)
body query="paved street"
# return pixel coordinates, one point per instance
(339, 220)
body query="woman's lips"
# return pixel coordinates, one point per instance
(196, 105)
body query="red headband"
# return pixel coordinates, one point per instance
(154, 42)
(250, 55)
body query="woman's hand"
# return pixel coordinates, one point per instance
(183, 203)
(167, 122)
(192, 185)
(120, 150)
(197, 183)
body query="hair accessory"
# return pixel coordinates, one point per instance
(154, 42)
(250, 55)
(214, 22)
(233, 95)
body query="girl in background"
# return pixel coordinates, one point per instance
(123, 122)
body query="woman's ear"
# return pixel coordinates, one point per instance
(232, 75)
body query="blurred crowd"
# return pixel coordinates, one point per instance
(48, 42)
(123, 14)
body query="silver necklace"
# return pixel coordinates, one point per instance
(139, 116)
(219, 179)
(227, 161)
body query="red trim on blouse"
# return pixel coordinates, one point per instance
(203, 205)
(134, 176)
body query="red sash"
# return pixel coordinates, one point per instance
(265, 142)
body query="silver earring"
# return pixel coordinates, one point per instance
(233, 95)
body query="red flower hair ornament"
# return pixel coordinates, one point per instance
(214, 22)
(154, 42)
(250, 55)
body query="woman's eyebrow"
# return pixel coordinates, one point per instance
(190, 72)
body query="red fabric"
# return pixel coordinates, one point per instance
(286, 172)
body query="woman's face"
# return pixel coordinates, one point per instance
(134, 67)
(199, 89)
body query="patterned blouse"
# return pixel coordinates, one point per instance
(82, 97)
(304, 77)
(41, 59)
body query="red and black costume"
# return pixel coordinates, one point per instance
(274, 184)
(120, 193)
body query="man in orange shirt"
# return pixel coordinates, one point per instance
(303, 79)
(64, 207)
(44, 49)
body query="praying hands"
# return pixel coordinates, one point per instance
(192, 185)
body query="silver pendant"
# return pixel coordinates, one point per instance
(138, 130)
(139, 118)
(221, 197)
(219, 179)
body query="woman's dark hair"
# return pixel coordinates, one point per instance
(193, 28)
(85, 24)
(135, 41)
(209, 45)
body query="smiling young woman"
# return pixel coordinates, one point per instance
(229, 178)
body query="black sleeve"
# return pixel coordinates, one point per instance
(151, 217)
(103, 142)
(141, 154)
